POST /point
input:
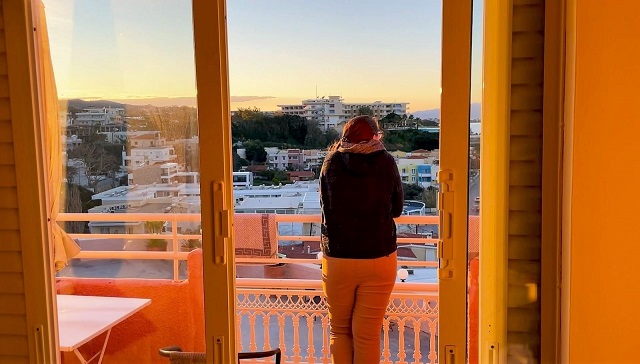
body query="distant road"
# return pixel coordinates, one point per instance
(474, 191)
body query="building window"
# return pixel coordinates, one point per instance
(413, 170)
(404, 170)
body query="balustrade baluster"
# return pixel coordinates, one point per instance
(295, 318)
(325, 339)
(282, 345)
(386, 354)
(401, 353)
(252, 332)
(239, 331)
(310, 350)
(267, 324)
(417, 350)
(432, 342)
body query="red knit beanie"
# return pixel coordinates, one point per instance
(360, 129)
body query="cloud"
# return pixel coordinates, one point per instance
(249, 98)
(175, 101)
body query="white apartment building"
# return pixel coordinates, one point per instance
(147, 140)
(278, 159)
(332, 111)
(313, 158)
(70, 143)
(281, 159)
(147, 156)
(175, 173)
(65, 118)
(100, 116)
(242, 179)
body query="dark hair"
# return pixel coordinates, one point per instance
(359, 129)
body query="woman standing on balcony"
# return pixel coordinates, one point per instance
(360, 194)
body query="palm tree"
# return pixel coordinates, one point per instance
(153, 227)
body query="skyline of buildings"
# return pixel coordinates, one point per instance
(330, 112)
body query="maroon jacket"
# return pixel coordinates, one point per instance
(360, 194)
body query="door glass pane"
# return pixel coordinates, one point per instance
(298, 71)
(125, 79)
(473, 241)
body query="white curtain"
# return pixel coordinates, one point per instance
(64, 247)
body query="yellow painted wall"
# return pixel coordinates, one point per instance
(605, 200)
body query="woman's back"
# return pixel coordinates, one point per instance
(360, 196)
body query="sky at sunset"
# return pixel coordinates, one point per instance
(280, 51)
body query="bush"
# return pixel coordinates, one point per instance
(191, 244)
(157, 244)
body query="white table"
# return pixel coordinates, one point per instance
(82, 318)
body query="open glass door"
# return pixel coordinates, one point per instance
(183, 173)
(145, 177)
(298, 71)
(210, 35)
(454, 180)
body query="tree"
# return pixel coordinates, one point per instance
(97, 162)
(430, 197)
(295, 128)
(315, 137)
(365, 110)
(153, 227)
(412, 191)
(331, 136)
(279, 177)
(248, 113)
(238, 162)
(254, 150)
(391, 118)
(425, 141)
(71, 173)
(73, 203)
(93, 137)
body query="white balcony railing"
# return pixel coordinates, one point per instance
(175, 238)
(292, 314)
(294, 317)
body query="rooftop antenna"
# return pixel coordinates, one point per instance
(316, 91)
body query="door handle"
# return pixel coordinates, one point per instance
(221, 221)
(445, 207)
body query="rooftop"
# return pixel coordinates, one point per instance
(269, 203)
(151, 136)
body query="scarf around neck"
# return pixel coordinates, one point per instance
(361, 148)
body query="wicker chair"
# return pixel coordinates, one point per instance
(177, 356)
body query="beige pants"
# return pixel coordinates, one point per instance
(358, 292)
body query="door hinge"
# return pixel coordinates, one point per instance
(445, 229)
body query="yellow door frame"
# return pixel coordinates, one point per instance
(552, 184)
(494, 187)
(30, 165)
(454, 180)
(212, 79)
